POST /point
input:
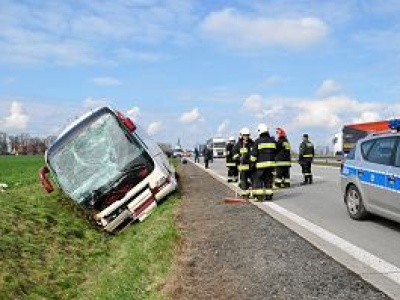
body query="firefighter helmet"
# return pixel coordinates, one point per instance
(231, 139)
(262, 128)
(245, 131)
(280, 132)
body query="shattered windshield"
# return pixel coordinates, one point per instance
(92, 156)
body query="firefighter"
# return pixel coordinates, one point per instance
(263, 156)
(306, 156)
(282, 159)
(207, 155)
(242, 157)
(230, 163)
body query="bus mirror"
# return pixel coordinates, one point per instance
(44, 180)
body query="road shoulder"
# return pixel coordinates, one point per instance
(236, 251)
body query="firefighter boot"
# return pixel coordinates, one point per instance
(268, 197)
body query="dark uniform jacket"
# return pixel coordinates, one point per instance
(242, 154)
(306, 153)
(208, 154)
(264, 152)
(283, 158)
(229, 154)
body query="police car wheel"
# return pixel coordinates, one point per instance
(355, 205)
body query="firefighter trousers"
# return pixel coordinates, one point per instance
(245, 180)
(262, 184)
(306, 170)
(233, 173)
(282, 177)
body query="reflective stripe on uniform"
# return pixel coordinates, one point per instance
(261, 192)
(307, 174)
(265, 164)
(243, 167)
(266, 146)
(286, 145)
(244, 192)
(286, 180)
(230, 164)
(308, 155)
(283, 163)
(244, 150)
(236, 156)
(278, 180)
(253, 158)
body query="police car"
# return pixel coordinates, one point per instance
(370, 176)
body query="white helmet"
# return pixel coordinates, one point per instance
(262, 128)
(245, 131)
(231, 139)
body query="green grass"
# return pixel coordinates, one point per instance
(49, 251)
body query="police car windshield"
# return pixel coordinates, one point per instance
(92, 155)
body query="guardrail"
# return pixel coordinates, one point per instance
(329, 160)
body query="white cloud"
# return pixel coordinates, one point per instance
(126, 54)
(248, 32)
(321, 117)
(17, 118)
(328, 87)
(253, 103)
(154, 128)
(61, 34)
(333, 112)
(367, 116)
(261, 108)
(134, 113)
(106, 81)
(191, 116)
(222, 128)
(90, 103)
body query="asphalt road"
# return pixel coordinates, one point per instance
(321, 204)
(236, 251)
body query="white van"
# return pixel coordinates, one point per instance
(110, 167)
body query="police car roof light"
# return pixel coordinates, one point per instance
(394, 124)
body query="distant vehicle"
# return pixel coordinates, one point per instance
(345, 140)
(178, 152)
(370, 176)
(109, 166)
(187, 153)
(218, 146)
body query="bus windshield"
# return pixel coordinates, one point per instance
(93, 155)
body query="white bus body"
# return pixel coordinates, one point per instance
(110, 167)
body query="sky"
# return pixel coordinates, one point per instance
(195, 69)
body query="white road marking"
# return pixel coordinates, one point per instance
(381, 266)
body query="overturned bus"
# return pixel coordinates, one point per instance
(109, 167)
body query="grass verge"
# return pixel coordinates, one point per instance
(49, 251)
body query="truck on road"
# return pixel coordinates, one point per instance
(218, 146)
(345, 140)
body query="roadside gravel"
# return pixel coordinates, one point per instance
(236, 251)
